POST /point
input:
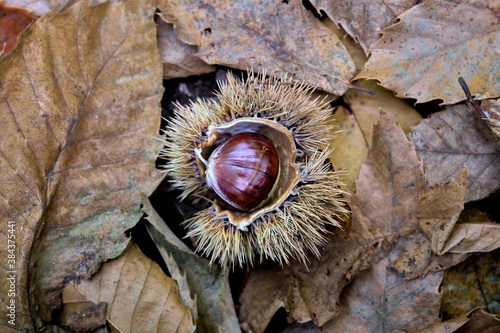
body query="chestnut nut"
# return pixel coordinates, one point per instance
(242, 171)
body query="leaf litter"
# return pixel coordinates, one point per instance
(386, 268)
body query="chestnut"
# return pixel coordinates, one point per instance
(261, 148)
(242, 171)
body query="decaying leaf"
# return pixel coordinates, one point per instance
(454, 137)
(436, 42)
(415, 257)
(179, 59)
(280, 37)
(383, 210)
(356, 127)
(492, 106)
(139, 296)
(89, 319)
(363, 19)
(473, 283)
(207, 283)
(13, 20)
(475, 321)
(79, 102)
(438, 212)
(380, 300)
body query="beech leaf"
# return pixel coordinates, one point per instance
(383, 210)
(454, 137)
(79, 100)
(363, 19)
(280, 37)
(139, 296)
(433, 45)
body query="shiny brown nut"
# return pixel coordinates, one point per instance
(242, 171)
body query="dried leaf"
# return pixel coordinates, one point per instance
(434, 43)
(380, 300)
(454, 137)
(492, 106)
(89, 319)
(476, 321)
(415, 257)
(355, 50)
(36, 7)
(438, 212)
(210, 285)
(140, 297)
(473, 283)
(79, 100)
(179, 59)
(280, 37)
(352, 143)
(13, 20)
(40, 7)
(363, 19)
(383, 210)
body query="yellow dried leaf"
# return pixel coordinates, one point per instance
(139, 296)
(356, 128)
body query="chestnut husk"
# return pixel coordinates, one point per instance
(306, 200)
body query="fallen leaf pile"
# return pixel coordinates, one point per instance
(80, 99)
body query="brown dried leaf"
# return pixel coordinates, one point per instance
(352, 143)
(79, 100)
(492, 106)
(473, 283)
(363, 19)
(415, 257)
(12, 21)
(380, 300)
(383, 210)
(436, 42)
(179, 59)
(89, 319)
(140, 297)
(209, 284)
(476, 321)
(438, 212)
(454, 137)
(280, 37)
(355, 50)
